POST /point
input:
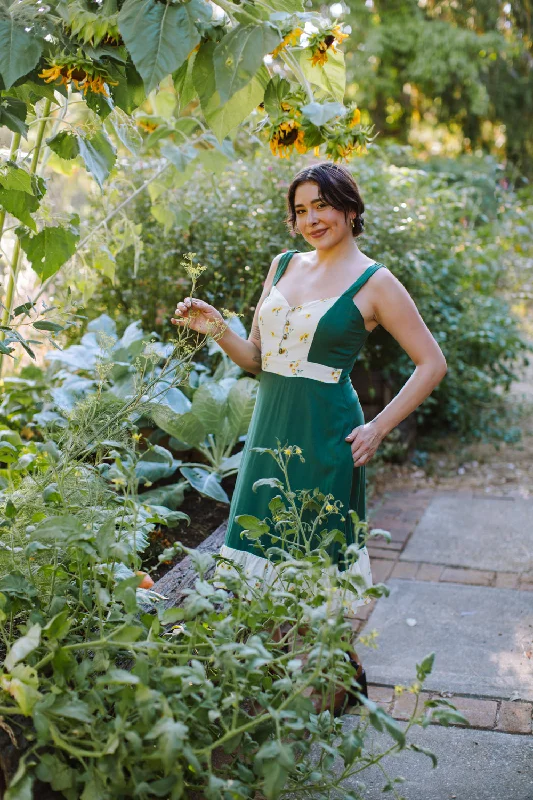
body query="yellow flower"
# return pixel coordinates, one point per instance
(287, 135)
(287, 451)
(329, 507)
(338, 34)
(298, 450)
(356, 118)
(399, 689)
(136, 437)
(119, 481)
(78, 75)
(320, 56)
(319, 49)
(290, 40)
(53, 73)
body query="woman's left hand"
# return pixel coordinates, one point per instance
(365, 440)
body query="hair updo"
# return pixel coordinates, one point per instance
(337, 188)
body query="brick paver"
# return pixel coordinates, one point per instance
(473, 577)
(514, 717)
(404, 569)
(479, 713)
(429, 572)
(507, 580)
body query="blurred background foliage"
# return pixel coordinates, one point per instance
(447, 77)
(454, 232)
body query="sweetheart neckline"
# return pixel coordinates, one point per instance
(324, 299)
(356, 307)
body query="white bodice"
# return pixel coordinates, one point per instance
(286, 336)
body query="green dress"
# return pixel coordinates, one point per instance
(305, 398)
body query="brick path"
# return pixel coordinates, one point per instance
(399, 513)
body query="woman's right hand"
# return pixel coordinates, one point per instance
(199, 316)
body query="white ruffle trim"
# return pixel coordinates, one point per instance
(262, 572)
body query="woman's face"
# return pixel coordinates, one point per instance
(319, 223)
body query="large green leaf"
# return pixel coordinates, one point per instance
(239, 55)
(13, 177)
(205, 482)
(277, 90)
(159, 37)
(48, 250)
(64, 145)
(331, 77)
(290, 6)
(184, 84)
(185, 427)
(222, 119)
(209, 405)
(13, 115)
(241, 403)
(155, 464)
(99, 156)
(129, 92)
(20, 205)
(320, 113)
(169, 496)
(23, 647)
(203, 73)
(20, 51)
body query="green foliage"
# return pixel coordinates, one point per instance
(168, 36)
(445, 75)
(51, 247)
(204, 419)
(107, 693)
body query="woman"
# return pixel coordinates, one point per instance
(314, 315)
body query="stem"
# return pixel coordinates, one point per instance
(15, 144)
(57, 122)
(291, 62)
(12, 280)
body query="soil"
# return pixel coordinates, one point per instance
(205, 514)
(503, 468)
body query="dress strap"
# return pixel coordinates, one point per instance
(282, 265)
(362, 279)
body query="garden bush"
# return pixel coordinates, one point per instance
(457, 239)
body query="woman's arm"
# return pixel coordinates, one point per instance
(246, 353)
(395, 310)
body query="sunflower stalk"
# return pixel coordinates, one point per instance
(15, 260)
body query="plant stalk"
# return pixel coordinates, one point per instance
(12, 280)
(15, 144)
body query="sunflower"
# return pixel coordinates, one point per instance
(323, 41)
(286, 136)
(289, 40)
(82, 74)
(356, 118)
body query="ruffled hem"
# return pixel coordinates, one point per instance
(260, 571)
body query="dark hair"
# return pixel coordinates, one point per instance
(336, 186)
